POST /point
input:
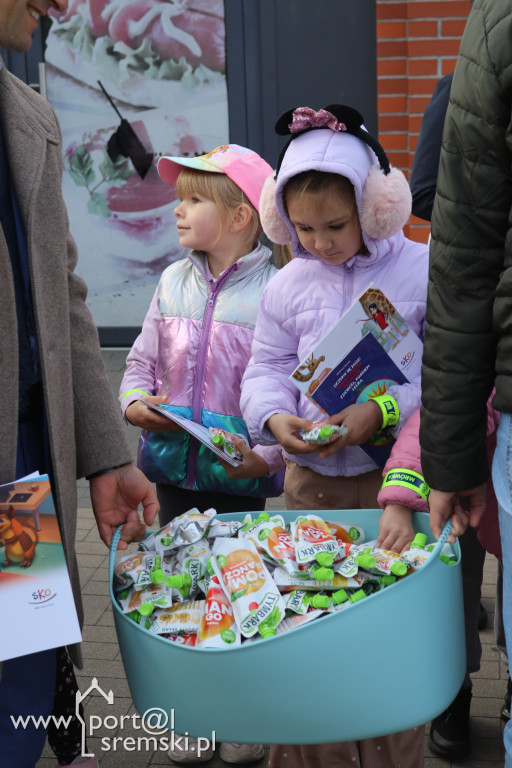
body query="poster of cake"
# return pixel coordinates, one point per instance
(160, 66)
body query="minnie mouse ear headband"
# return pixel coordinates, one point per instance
(243, 166)
(386, 197)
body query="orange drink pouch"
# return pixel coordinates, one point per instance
(247, 584)
(218, 628)
(311, 536)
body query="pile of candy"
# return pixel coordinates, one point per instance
(205, 582)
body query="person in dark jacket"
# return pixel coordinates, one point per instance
(468, 341)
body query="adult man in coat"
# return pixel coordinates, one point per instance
(58, 411)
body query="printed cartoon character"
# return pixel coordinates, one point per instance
(19, 542)
(311, 365)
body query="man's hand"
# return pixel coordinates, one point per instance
(447, 505)
(115, 500)
(141, 416)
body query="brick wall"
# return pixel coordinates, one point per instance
(417, 43)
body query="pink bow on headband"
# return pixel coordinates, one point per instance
(304, 118)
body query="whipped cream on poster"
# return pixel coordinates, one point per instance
(147, 42)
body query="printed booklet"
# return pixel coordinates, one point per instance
(196, 430)
(35, 590)
(369, 349)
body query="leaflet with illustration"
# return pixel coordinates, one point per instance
(368, 350)
(196, 430)
(36, 600)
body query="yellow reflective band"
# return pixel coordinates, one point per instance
(389, 409)
(134, 392)
(407, 479)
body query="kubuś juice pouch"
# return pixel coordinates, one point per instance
(217, 628)
(311, 535)
(246, 583)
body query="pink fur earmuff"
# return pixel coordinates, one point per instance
(385, 204)
(273, 225)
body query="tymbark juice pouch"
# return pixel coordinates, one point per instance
(246, 583)
(272, 538)
(178, 618)
(217, 628)
(311, 535)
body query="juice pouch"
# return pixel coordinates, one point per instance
(133, 569)
(247, 584)
(274, 541)
(190, 640)
(192, 560)
(323, 434)
(180, 618)
(224, 439)
(217, 628)
(346, 532)
(145, 600)
(385, 561)
(184, 529)
(311, 535)
(297, 601)
(287, 582)
(222, 528)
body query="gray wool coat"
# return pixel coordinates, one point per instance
(86, 433)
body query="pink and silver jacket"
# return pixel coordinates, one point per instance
(194, 347)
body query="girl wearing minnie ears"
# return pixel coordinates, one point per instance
(336, 198)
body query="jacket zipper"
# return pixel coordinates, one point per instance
(201, 364)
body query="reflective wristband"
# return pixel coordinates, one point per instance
(389, 409)
(407, 479)
(134, 392)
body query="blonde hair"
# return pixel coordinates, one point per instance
(317, 184)
(218, 188)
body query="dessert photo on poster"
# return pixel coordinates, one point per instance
(157, 68)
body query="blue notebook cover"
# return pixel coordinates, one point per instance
(365, 372)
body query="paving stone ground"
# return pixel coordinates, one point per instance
(102, 657)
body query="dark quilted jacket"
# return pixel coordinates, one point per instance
(468, 339)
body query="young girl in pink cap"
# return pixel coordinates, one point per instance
(194, 347)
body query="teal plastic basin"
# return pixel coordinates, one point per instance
(390, 662)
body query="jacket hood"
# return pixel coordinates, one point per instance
(331, 152)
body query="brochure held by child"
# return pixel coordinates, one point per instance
(36, 599)
(368, 350)
(200, 432)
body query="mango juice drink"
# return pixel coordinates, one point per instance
(217, 628)
(247, 584)
(311, 535)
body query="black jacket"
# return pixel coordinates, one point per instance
(468, 339)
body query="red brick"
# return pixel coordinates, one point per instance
(422, 29)
(421, 67)
(437, 9)
(390, 67)
(453, 27)
(391, 49)
(413, 141)
(422, 85)
(394, 141)
(390, 30)
(398, 159)
(439, 47)
(389, 10)
(391, 104)
(417, 104)
(388, 85)
(393, 123)
(447, 66)
(415, 123)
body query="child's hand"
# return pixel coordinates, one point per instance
(286, 428)
(253, 465)
(361, 421)
(395, 528)
(140, 415)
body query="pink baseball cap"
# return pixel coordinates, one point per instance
(243, 166)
